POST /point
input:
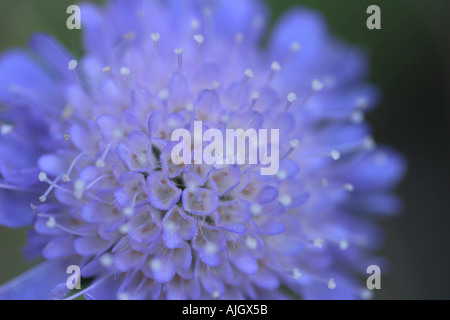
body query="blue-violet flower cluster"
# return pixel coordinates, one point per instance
(84, 159)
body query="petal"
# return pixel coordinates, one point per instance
(200, 201)
(37, 283)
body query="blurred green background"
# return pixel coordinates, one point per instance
(410, 62)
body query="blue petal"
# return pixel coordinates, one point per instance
(15, 209)
(37, 283)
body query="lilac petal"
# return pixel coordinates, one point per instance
(171, 169)
(163, 194)
(306, 27)
(244, 261)
(59, 247)
(265, 279)
(270, 227)
(267, 194)
(163, 269)
(248, 17)
(82, 137)
(22, 80)
(88, 246)
(200, 201)
(128, 260)
(226, 180)
(53, 53)
(176, 228)
(182, 257)
(143, 230)
(37, 283)
(93, 25)
(15, 209)
(377, 170)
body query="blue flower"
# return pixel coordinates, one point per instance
(85, 157)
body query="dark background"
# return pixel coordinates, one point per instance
(410, 62)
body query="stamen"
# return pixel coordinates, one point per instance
(291, 97)
(72, 66)
(255, 97)
(53, 184)
(295, 46)
(275, 67)
(66, 176)
(293, 144)
(155, 38)
(179, 53)
(90, 185)
(100, 163)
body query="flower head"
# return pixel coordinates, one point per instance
(85, 156)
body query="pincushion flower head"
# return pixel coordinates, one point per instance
(85, 156)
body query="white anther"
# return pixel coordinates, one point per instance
(291, 97)
(318, 242)
(156, 265)
(343, 244)
(215, 294)
(335, 155)
(100, 163)
(249, 73)
(275, 66)
(252, 243)
(256, 95)
(124, 229)
(199, 38)
(106, 260)
(331, 284)
(215, 85)
(179, 51)
(163, 94)
(296, 273)
(42, 176)
(124, 296)
(286, 200)
(106, 69)
(195, 24)
(125, 71)
(282, 174)
(256, 209)
(349, 187)
(295, 46)
(72, 65)
(6, 128)
(65, 178)
(155, 37)
(128, 211)
(211, 248)
(357, 117)
(78, 189)
(316, 85)
(294, 143)
(51, 222)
